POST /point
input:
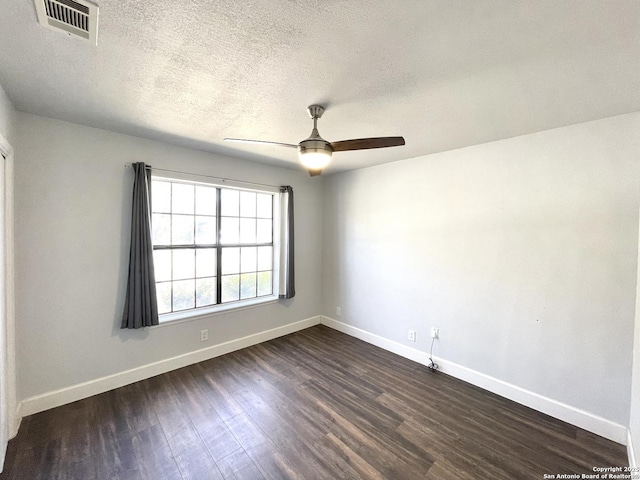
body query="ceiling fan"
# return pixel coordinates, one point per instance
(315, 152)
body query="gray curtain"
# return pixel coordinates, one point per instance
(287, 264)
(140, 306)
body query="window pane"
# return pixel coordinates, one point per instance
(248, 261)
(161, 196)
(182, 198)
(184, 264)
(205, 200)
(206, 230)
(182, 229)
(264, 284)
(230, 288)
(230, 260)
(248, 285)
(230, 230)
(162, 265)
(265, 205)
(206, 262)
(185, 215)
(247, 204)
(247, 230)
(229, 203)
(183, 295)
(205, 292)
(265, 231)
(161, 229)
(265, 258)
(163, 291)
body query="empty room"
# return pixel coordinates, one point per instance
(285, 239)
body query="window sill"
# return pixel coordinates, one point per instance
(189, 315)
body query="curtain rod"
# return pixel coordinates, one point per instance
(149, 167)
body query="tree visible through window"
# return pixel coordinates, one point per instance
(212, 245)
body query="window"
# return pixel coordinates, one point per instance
(213, 246)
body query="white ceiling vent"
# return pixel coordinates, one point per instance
(74, 17)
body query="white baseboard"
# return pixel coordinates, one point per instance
(562, 411)
(15, 426)
(40, 403)
(631, 452)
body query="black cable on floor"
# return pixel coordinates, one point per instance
(433, 366)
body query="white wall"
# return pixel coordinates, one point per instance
(73, 215)
(522, 251)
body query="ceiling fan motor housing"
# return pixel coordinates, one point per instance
(315, 145)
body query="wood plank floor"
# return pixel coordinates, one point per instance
(316, 404)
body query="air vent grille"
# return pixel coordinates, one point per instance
(68, 12)
(74, 17)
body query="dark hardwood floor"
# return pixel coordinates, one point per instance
(316, 404)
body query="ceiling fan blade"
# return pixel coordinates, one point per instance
(366, 143)
(262, 142)
(313, 173)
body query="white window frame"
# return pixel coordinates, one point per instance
(195, 313)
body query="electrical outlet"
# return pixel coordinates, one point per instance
(204, 335)
(412, 335)
(434, 332)
(338, 311)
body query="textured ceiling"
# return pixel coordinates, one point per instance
(444, 74)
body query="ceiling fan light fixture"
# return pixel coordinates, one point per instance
(315, 152)
(314, 158)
